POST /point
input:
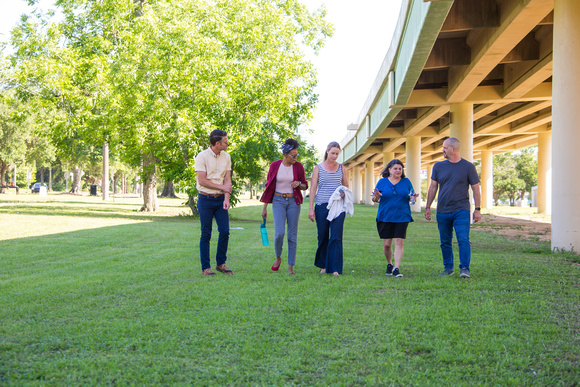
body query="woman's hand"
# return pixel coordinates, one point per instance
(311, 215)
(376, 196)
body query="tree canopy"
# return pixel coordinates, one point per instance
(514, 174)
(154, 78)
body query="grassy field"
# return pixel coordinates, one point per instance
(95, 292)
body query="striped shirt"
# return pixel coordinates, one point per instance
(328, 182)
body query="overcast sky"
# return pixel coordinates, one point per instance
(347, 65)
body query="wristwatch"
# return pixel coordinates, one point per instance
(477, 208)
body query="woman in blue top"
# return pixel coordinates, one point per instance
(393, 193)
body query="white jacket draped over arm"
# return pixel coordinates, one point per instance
(338, 205)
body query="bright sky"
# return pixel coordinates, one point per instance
(349, 62)
(347, 65)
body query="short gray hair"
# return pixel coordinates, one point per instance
(453, 142)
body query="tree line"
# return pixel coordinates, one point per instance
(149, 80)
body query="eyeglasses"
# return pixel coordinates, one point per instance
(293, 156)
(394, 190)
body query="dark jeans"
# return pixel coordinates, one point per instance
(329, 252)
(461, 222)
(209, 208)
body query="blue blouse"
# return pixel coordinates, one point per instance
(394, 204)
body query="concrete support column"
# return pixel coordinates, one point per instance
(413, 167)
(486, 179)
(387, 157)
(349, 174)
(357, 184)
(369, 180)
(429, 173)
(545, 173)
(461, 127)
(565, 133)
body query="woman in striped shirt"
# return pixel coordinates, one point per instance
(326, 178)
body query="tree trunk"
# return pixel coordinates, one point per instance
(50, 179)
(76, 181)
(169, 190)
(105, 181)
(251, 190)
(3, 169)
(150, 187)
(42, 174)
(192, 206)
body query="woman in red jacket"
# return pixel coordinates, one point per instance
(286, 180)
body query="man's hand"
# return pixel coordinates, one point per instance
(476, 216)
(428, 213)
(226, 204)
(227, 188)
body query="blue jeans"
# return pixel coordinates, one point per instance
(285, 210)
(461, 222)
(209, 208)
(329, 252)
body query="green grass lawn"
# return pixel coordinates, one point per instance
(95, 292)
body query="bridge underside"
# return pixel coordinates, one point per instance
(486, 72)
(496, 55)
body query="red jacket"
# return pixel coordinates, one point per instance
(298, 175)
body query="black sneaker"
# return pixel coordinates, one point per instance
(389, 269)
(396, 273)
(464, 273)
(447, 272)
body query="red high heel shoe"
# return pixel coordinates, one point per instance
(275, 268)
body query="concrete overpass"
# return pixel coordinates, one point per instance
(499, 75)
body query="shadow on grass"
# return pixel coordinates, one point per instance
(81, 209)
(90, 211)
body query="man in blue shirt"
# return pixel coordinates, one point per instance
(453, 177)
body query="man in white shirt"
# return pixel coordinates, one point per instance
(213, 167)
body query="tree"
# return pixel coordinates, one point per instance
(235, 65)
(15, 131)
(526, 164)
(506, 181)
(156, 77)
(62, 83)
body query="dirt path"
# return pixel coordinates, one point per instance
(517, 226)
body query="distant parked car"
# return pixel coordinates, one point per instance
(36, 187)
